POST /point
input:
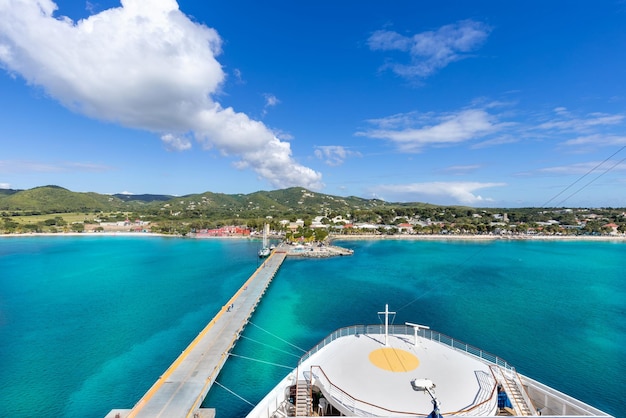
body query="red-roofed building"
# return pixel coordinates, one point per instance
(225, 231)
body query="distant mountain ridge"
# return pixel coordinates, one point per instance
(8, 192)
(55, 199)
(146, 198)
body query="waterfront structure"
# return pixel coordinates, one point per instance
(179, 392)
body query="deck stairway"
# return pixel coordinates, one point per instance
(303, 399)
(513, 387)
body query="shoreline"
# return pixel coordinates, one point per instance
(442, 237)
(361, 237)
(118, 234)
(85, 234)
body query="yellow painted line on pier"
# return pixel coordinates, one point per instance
(157, 385)
(200, 398)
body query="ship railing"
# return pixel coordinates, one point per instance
(553, 402)
(530, 388)
(361, 408)
(467, 348)
(341, 332)
(276, 403)
(348, 402)
(408, 331)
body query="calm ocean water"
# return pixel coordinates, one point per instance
(87, 324)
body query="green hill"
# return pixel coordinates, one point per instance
(294, 201)
(207, 210)
(143, 198)
(6, 192)
(55, 199)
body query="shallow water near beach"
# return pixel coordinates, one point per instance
(87, 324)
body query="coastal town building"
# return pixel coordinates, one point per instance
(225, 231)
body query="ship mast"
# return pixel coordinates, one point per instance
(265, 228)
(386, 313)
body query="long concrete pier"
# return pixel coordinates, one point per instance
(179, 392)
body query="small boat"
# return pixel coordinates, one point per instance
(265, 250)
(409, 371)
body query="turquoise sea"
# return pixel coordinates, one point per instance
(87, 324)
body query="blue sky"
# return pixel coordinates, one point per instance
(482, 103)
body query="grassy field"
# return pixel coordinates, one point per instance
(62, 222)
(67, 217)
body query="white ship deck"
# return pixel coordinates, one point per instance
(379, 377)
(376, 370)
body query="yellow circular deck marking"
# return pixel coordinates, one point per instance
(394, 359)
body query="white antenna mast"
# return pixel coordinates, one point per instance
(416, 328)
(386, 313)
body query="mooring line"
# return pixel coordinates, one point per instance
(270, 346)
(277, 337)
(261, 361)
(233, 393)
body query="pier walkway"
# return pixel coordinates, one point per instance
(179, 392)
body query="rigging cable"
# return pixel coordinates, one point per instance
(582, 177)
(463, 263)
(414, 300)
(600, 175)
(277, 337)
(261, 361)
(459, 268)
(270, 346)
(233, 393)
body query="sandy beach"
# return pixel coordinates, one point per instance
(414, 237)
(86, 234)
(442, 237)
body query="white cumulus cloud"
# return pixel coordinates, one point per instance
(598, 139)
(143, 65)
(567, 122)
(176, 143)
(270, 101)
(459, 192)
(334, 155)
(589, 167)
(412, 132)
(432, 50)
